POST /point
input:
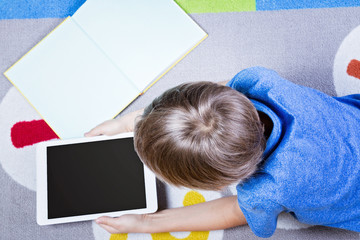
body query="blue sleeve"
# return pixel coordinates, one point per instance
(268, 87)
(257, 201)
(256, 81)
(280, 95)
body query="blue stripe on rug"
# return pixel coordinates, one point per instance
(19, 9)
(262, 5)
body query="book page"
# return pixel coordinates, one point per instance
(143, 38)
(70, 82)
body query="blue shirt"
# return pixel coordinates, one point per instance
(311, 163)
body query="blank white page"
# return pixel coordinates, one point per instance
(70, 82)
(143, 37)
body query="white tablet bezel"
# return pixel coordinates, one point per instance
(41, 182)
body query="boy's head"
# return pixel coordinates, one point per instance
(200, 135)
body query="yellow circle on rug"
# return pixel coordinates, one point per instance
(120, 236)
(190, 198)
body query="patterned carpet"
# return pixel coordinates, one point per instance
(312, 43)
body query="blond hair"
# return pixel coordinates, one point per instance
(200, 135)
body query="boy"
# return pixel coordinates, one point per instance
(207, 136)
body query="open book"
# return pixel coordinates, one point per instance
(95, 63)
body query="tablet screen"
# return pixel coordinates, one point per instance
(94, 177)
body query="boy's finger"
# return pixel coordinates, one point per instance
(109, 222)
(106, 221)
(109, 228)
(88, 134)
(93, 132)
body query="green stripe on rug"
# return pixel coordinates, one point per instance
(215, 6)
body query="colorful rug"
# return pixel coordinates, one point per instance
(312, 43)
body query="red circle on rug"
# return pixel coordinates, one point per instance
(26, 133)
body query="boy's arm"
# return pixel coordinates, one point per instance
(122, 124)
(221, 213)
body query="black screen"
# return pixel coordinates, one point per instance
(94, 177)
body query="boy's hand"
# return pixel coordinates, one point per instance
(213, 215)
(123, 124)
(109, 127)
(125, 224)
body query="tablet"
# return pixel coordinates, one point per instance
(83, 179)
